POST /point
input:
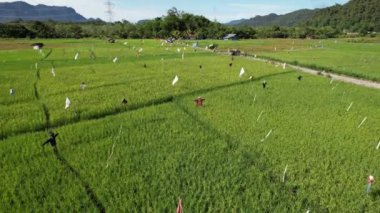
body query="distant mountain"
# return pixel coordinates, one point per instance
(356, 15)
(142, 21)
(236, 22)
(10, 11)
(287, 20)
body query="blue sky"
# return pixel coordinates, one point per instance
(221, 10)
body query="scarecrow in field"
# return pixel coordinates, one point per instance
(199, 101)
(370, 180)
(83, 86)
(124, 102)
(51, 140)
(264, 84)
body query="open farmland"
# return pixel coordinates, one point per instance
(229, 155)
(353, 57)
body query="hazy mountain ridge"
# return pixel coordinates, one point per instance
(355, 15)
(287, 20)
(11, 11)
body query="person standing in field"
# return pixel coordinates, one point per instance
(51, 140)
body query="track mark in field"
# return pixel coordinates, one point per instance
(101, 86)
(38, 74)
(250, 157)
(47, 55)
(225, 86)
(36, 93)
(101, 115)
(47, 115)
(231, 142)
(90, 192)
(44, 106)
(121, 109)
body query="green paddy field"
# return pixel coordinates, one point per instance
(294, 146)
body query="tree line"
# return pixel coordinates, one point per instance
(175, 23)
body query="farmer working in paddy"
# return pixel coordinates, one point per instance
(51, 140)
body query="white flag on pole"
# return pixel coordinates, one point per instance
(258, 118)
(175, 80)
(269, 133)
(378, 145)
(349, 107)
(242, 71)
(362, 122)
(284, 174)
(68, 102)
(53, 71)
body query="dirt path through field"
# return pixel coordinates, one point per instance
(344, 78)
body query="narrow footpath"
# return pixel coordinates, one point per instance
(344, 78)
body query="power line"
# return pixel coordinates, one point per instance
(109, 10)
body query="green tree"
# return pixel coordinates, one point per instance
(43, 30)
(14, 31)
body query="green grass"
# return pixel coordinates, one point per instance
(340, 56)
(141, 157)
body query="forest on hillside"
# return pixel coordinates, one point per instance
(362, 16)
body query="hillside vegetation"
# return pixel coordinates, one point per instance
(357, 16)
